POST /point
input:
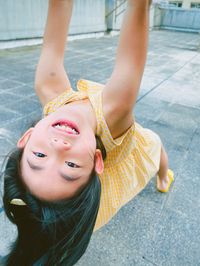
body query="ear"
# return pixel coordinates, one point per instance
(99, 165)
(24, 139)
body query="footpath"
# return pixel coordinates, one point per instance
(154, 229)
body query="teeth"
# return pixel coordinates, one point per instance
(67, 128)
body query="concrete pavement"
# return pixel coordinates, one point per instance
(154, 228)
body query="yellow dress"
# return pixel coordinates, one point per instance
(132, 159)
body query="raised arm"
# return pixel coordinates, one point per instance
(51, 78)
(120, 93)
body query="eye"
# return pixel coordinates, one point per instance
(39, 154)
(72, 165)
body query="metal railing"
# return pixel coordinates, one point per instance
(179, 19)
(117, 10)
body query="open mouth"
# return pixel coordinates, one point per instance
(66, 127)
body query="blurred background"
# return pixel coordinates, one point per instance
(22, 19)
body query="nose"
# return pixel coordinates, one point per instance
(60, 144)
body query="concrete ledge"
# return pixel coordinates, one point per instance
(36, 41)
(180, 29)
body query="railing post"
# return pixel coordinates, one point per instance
(114, 13)
(109, 14)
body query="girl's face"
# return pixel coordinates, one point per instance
(59, 155)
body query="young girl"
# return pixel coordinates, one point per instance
(87, 157)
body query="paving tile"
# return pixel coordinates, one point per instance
(176, 93)
(6, 229)
(150, 108)
(22, 90)
(20, 125)
(153, 228)
(6, 145)
(195, 142)
(7, 98)
(8, 84)
(175, 241)
(121, 235)
(26, 77)
(7, 115)
(25, 106)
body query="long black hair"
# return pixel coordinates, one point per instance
(49, 233)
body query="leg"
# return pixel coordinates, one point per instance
(164, 178)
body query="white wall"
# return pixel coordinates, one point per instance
(176, 18)
(21, 19)
(186, 3)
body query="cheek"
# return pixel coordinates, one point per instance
(39, 132)
(36, 140)
(42, 124)
(89, 145)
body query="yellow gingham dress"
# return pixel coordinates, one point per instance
(132, 159)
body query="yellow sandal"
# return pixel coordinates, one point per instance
(170, 174)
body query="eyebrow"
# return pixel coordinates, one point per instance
(38, 168)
